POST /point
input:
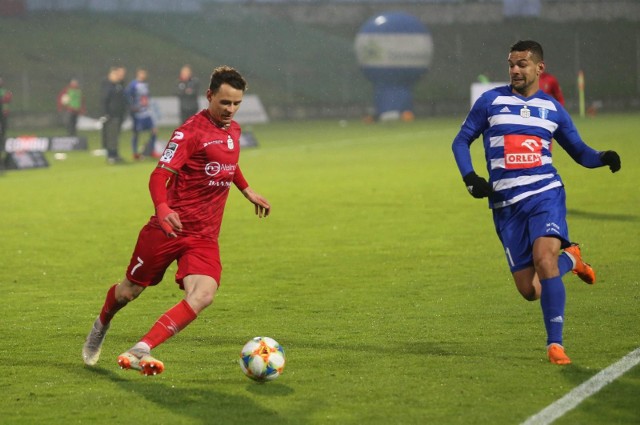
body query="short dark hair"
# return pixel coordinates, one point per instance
(226, 75)
(529, 45)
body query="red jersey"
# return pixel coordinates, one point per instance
(549, 84)
(204, 158)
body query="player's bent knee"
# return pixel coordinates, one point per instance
(129, 296)
(546, 264)
(126, 296)
(200, 301)
(127, 291)
(529, 291)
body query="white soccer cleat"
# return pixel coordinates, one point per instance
(93, 344)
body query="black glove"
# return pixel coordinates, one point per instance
(477, 186)
(612, 159)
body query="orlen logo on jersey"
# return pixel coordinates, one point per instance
(522, 151)
(213, 168)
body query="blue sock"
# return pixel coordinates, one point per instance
(564, 263)
(134, 142)
(149, 147)
(552, 301)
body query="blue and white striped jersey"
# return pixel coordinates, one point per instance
(139, 99)
(518, 134)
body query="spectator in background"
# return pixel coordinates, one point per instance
(138, 95)
(114, 104)
(549, 84)
(188, 89)
(5, 100)
(483, 78)
(71, 105)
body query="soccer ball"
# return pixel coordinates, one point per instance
(262, 359)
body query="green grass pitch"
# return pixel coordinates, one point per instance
(381, 277)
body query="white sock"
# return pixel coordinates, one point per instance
(98, 324)
(572, 258)
(142, 346)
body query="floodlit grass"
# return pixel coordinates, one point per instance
(381, 277)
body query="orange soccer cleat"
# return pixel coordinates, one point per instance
(142, 361)
(557, 355)
(582, 269)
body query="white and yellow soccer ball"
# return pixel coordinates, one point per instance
(262, 359)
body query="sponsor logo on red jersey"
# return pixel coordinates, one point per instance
(169, 152)
(213, 142)
(213, 168)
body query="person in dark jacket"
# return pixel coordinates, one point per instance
(188, 89)
(115, 105)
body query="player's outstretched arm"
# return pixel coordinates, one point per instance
(261, 204)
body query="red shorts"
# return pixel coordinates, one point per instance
(154, 252)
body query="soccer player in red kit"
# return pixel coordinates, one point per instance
(550, 85)
(189, 189)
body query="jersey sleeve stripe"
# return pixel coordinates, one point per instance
(164, 167)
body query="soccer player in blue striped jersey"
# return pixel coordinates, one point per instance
(139, 96)
(518, 123)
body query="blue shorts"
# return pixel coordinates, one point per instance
(520, 224)
(142, 124)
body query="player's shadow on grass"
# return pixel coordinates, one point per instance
(199, 401)
(268, 389)
(601, 216)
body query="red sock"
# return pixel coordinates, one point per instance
(170, 323)
(110, 307)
